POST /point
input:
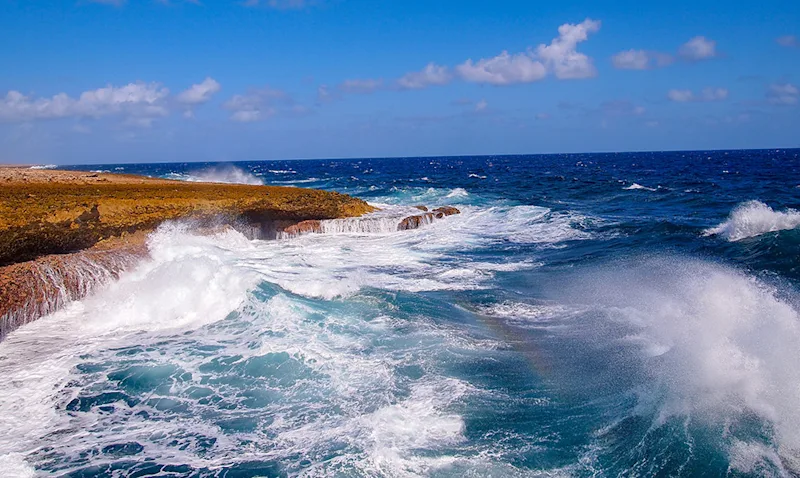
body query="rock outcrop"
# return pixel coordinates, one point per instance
(62, 233)
(54, 212)
(413, 222)
(303, 227)
(32, 289)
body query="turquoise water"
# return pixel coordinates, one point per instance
(585, 315)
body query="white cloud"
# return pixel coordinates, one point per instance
(680, 96)
(714, 94)
(199, 93)
(361, 86)
(256, 105)
(542, 116)
(248, 116)
(561, 55)
(134, 101)
(783, 94)
(698, 48)
(481, 105)
(788, 41)
(504, 69)
(432, 74)
(631, 60)
(708, 94)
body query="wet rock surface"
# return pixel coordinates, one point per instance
(63, 233)
(414, 222)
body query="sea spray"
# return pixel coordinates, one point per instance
(695, 341)
(219, 174)
(754, 218)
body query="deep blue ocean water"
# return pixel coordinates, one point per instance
(632, 314)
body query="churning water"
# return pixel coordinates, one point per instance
(585, 315)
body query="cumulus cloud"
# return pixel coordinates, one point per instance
(432, 74)
(707, 94)
(256, 105)
(698, 48)
(560, 58)
(199, 93)
(504, 69)
(561, 55)
(783, 94)
(788, 41)
(631, 60)
(138, 102)
(361, 86)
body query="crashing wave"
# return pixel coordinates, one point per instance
(223, 174)
(755, 218)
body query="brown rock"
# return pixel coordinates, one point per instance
(29, 290)
(422, 208)
(446, 211)
(414, 222)
(303, 227)
(54, 212)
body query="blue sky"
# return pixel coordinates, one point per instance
(155, 80)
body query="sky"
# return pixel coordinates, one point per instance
(115, 81)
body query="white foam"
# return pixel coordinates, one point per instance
(219, 174)
(458, 193)
(44, 166)
(191, 281)
(716, 344)
(14, 466)
(755, 218)
(636, 186)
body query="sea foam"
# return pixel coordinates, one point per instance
(754, 218)
(220, 174)
(714, 346)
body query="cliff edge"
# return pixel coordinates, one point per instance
(62, 233)
(55, 212)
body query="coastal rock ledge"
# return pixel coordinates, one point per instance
(63, 232)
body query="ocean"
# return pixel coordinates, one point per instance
(631, 314)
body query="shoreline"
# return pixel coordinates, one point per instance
(63, 232)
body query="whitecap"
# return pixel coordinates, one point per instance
(637, 186)
(220, 174)
(754, 218)
(457, 193)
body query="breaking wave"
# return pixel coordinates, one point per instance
(708, 347)
(221, 174)
(755, 218)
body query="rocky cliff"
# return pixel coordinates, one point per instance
(64, 232)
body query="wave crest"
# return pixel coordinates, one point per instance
(754, 218)
(222, 174)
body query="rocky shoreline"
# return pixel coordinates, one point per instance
(63, 233)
